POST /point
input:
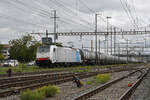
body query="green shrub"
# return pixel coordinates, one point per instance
(102, 78)
(31, 95)
(89, 82)
(49, 91)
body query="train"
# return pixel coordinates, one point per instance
(53, 55)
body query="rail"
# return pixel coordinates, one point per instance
(130, 91)
(84, 96)
(16, 90)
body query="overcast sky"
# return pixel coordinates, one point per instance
(19, 17)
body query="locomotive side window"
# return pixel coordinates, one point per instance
(54, 50)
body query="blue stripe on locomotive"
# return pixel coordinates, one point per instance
(77, 56)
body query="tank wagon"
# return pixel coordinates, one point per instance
(52, 55)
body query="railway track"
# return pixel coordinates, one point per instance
(8, 80)
(16, 80)
(8, 92)
(17, 84)
(88, 95)
(130, 91)
(30, 77)
(29, 81)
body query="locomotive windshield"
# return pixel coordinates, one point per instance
(45, 48)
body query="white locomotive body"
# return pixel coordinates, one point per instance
(54, 55)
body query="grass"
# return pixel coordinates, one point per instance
(24, 68)
(19, 68)
(89, 82)
(102, 78)
(99, 79)
(81, 70)
(48, 91)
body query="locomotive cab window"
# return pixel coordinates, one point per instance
(43, 49)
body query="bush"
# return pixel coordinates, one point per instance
(40, 93)
(1, 57)
(89, 82)
(49, 91)
(102, 78)
(31, 95)
(81, 83)
(42, 90)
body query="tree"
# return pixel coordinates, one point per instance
(23, 49)
(1, 48)
(1, 55)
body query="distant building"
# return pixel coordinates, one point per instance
(5, 52)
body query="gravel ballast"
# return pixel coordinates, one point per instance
(69, 90)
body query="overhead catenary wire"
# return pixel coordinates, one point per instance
(73, 21)
(135, 18)
(18, 20)
(131, 14)
(27, 10)
(138, 17)
(28, 7)
(40, 12)
(45, 13)
(92, 11)
(135, 12)
(128, 12)
(68, 13)
(59, 4)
